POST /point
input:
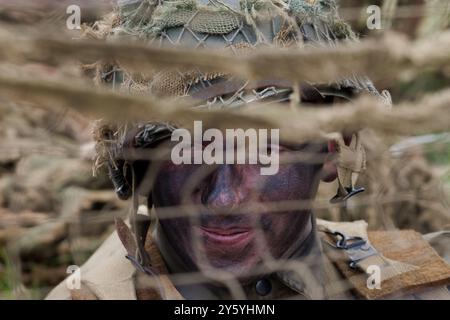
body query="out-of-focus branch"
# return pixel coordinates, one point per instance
(387, 58)
(432, 114)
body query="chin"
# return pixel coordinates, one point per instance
(238, 266)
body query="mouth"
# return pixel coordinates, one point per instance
(234, 236)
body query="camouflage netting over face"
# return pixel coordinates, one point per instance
(239, 26)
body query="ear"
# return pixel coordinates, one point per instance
(329, 169)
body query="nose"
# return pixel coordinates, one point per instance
(222, 192)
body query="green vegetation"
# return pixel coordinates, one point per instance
(6, 276)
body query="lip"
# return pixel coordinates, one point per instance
(236, 237)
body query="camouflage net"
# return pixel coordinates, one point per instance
(148, 19)
(218, 26)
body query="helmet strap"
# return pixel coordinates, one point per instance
(351, 162)
(140, 225)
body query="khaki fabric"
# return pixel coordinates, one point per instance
(407, 263)
(390, 268)
(109, 275)
(440, 241)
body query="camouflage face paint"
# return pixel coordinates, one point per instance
(234, 212)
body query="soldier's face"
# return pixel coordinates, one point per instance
(234, 215)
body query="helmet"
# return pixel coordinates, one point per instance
(237, 26)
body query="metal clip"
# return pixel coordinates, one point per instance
(346, 243)
(356, 248)
(347, 194)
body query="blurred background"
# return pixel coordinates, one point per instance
(55, 213)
